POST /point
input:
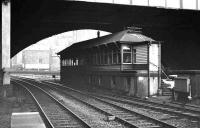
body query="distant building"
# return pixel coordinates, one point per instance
(36, 59)
(42, 55)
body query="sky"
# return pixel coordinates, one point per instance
(60, 41)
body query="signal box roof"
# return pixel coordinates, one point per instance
(128, 36)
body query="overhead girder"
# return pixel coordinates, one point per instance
(32, 21)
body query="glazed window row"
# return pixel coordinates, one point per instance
(126, 54)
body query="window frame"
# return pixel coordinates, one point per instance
(130, 46)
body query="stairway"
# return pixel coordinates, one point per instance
(166, 91)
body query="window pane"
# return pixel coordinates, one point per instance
(140, 2)
(105, 58)
(198, 4)
(114, 58)
(102, 60)
(103, 1)
(76, 61)
(173, 3)
(110, 58)
(122, 1)
(127, 58)
(126, 48)
(189, 4)
(119, 57)
(134, 55)
(62, 62)
(93, 59)
(97, 58)
(157, 2)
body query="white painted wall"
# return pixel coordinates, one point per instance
(153, 57)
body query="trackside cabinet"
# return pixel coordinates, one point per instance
(182, 87)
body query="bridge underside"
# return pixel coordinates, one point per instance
(178, 29)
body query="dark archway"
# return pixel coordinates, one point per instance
(179, 29)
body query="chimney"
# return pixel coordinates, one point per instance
(98, 34)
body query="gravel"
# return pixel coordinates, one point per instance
(97, 119)
(181, 123)
(134, 118)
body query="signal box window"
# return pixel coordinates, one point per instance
(134, 55)
(105, 57)
(119, 58)
(102, 58)
(63, 63)
(115, 57)
(127, 54)
(110, 58)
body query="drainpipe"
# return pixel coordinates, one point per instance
(159, 65)
(121, 53)
(148, 72)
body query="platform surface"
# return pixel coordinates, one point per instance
(27, 120)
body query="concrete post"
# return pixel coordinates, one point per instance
(5, 49)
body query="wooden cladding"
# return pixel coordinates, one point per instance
(134, 67)
(118, 67)
(141, 54)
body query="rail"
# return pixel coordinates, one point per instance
(59, 103)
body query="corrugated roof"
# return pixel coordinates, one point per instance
(122, 36)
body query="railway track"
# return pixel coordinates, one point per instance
(121, 112)
(188, 113)
(78, 107)
(55, 115)
(173, 105)
(181, 118)
(168, 117)
(187, 110)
